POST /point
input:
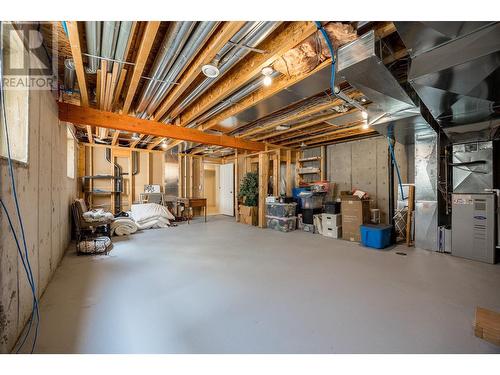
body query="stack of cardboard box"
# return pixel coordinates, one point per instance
(355, 212)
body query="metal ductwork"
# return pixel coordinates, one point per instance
(250, 35)
(231, 100)
(69, 75)
(455, 69)
(191, 48)
(93, 38)
(178, 48)
(391, 112)
(171, 46)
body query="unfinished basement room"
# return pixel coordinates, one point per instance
(249, 187)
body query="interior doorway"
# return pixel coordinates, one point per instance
(219, 188)
(211, 175)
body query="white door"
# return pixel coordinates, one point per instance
(226, 184)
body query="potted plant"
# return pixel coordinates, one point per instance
(249, 193)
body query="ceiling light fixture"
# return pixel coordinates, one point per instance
(366, 125)
(164, 144)
(211, 70)
(282, 127)
(364, 115)
(267, 73)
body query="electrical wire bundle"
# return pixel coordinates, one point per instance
(24, 257)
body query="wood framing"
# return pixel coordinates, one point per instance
(142, 57)
(289, 173)
(286, 37)
(76, 52)
(88, 116)
(263, 179)
(216, 42)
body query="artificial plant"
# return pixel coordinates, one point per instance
(249, 189)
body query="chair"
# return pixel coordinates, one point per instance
(84, 228)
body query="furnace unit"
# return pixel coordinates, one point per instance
(474, 219)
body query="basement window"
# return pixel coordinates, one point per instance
(16, 97)
(70, 154)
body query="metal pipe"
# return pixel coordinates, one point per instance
(236, 97)
(250, 35)
(196, 40)
(93, 38)
(117, 181)
(69, 75)
(108, 42)
(169, 49)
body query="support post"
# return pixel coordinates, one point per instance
(263, 180)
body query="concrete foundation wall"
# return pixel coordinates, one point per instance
(363, 165)
(45, 193)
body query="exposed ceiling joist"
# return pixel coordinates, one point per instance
(76, 52)
(306, 124)
(301, 114)
(356, 134)
(215, 44)
(80, 115)
(142, 57)
(341, 130)
(284, 38)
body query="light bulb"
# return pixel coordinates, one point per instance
(366, 125)
(364, 115)
(267, 80)
(164, 145)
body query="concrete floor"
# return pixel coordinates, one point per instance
(223, 287)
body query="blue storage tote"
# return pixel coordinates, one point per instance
(376, 235)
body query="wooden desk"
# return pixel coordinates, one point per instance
(192, 203)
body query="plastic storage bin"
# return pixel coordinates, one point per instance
(332, 207)
(281, 209)
(282, 224)
(310, 200)
(376, 236)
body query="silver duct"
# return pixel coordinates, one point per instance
(69, 75)
(93, 38)
(250, 35)
(236, 97)
(196, 40)
(169, 49)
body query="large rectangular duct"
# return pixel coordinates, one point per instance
(455, 70)
(426, 206)
(392, 112)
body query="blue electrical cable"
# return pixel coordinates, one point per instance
(29, 272)
(11, 225)
(393, 158)
(332, 53)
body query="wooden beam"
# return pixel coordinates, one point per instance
(116, 134)
(343, 136)
(214, 45)
(97, 145)
(89, 116)
(155, 143)
(263, 180)
(136, 142)
(285, 37)
(385, 29)
(142, 57)
(305, 124)
(76, 52)
(301, 114)
(289, 173)
(336, 131)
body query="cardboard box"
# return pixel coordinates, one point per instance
(248, 215)
(355, 212)
(332, 220)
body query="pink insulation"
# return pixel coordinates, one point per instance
(314, 50)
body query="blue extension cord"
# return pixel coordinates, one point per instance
(25, 260)
(332, 53)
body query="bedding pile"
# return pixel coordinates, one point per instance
(123, 226)
(151, 215)
(97, 215)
